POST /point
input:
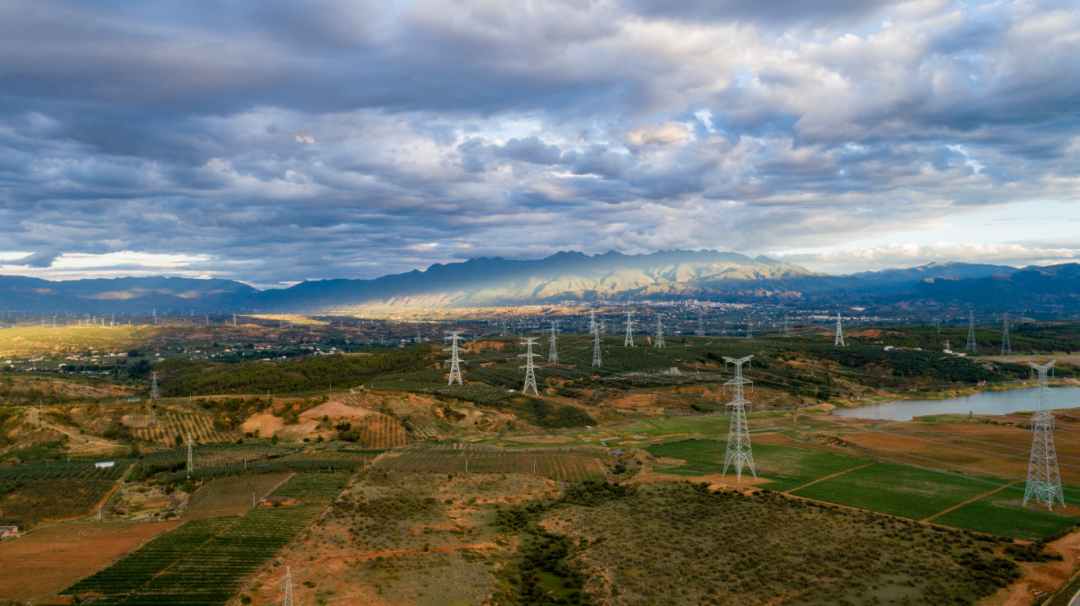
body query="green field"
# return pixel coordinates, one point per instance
(1001, 513)
(786, 466)
(900, 490)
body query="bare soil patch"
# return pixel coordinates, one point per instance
(51, 558)
(333, 409)
(263, 425)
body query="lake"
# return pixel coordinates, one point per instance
(986, 403)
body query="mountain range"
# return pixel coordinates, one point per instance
(571, 276)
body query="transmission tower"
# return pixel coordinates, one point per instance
(596, 361)
(1043, 480)
(530, 372)
(738, 441)
(937, 324)
(786, 330)
(971, 345)
(839, 341)
(190, 458)
(629, 341)
(288, 588)
(700, 325)
(659, 331)
(553, 340)
(154, 312)
(455, 361)
(749, 328)
(1006, 347)
(154, 393)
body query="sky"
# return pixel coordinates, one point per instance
(273, 142)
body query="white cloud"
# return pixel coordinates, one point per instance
(909, 255)
(665, 134)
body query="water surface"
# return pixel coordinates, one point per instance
(985, 403)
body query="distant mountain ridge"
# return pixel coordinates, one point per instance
(564, 276)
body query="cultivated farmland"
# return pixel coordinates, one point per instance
(899, 490)
(381, 432)
(171, 423)
(546, 462)
(205, 561)
(51, 558)
(54, 490)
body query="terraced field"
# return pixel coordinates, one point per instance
(205, 561)
(172, 423)
(381, 432)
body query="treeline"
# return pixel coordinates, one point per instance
(910, 363)
(201, 377)
(1024, 337)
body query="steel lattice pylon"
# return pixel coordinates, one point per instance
(155, 393)
(455, 361)
(738, 441)
(839, 332)
(596, 361)
(971, 346)
(288, 601)
(700, 325)
(1006, 347)
(659, 331)
(749, 328)
(553, 340)
(787, 331)
(530, 372)
(1043, 479)
(190, 458)
(629, 341)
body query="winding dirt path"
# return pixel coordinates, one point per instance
(827, 477)
(959, 505)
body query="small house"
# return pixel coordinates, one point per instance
(278, 502)
(104, 464)
(9, 531)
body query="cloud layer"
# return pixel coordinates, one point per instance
(272, 142)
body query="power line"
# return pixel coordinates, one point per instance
(1043, 479)
(971, 346)
(1006, 347)
(190, 458)
(530, 374)
(455, 361)
(596, 361)
(553, 353)
(738, 442)
(288, 601)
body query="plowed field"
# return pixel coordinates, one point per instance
(56, 556)
(171, 424)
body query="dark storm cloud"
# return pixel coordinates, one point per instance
(277, 141)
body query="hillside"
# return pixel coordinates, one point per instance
(566, 276)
